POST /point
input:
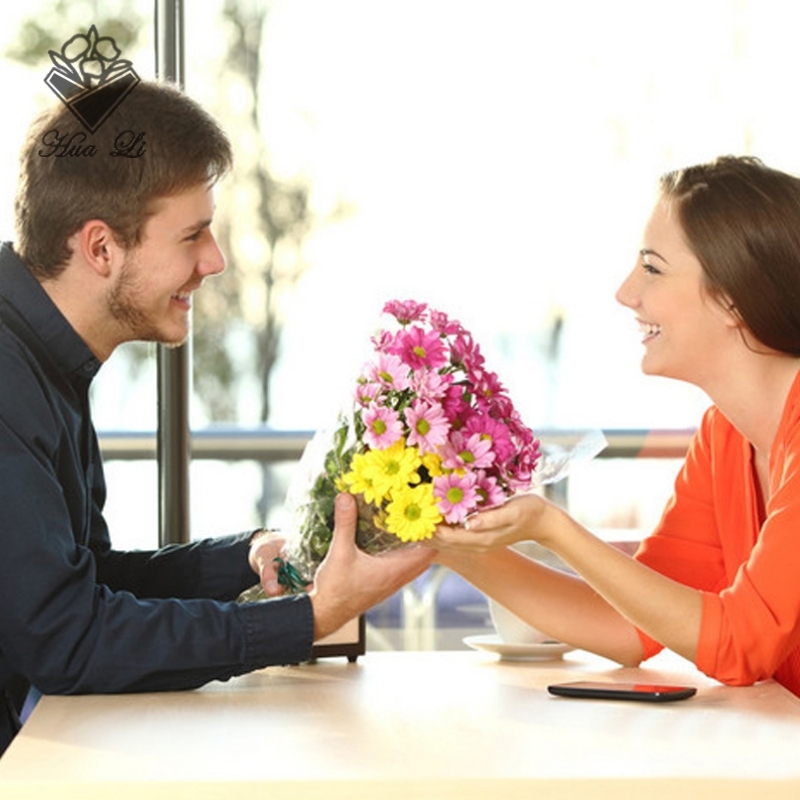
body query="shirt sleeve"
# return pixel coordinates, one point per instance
(68, 632)
(215, 568)
(685, 545)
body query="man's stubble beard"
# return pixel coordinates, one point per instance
(126, 311)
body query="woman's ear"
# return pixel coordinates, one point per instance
(728, 308)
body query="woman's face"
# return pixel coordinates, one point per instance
(684, 330)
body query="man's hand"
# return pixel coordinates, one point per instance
(348, 582)
(265, 546)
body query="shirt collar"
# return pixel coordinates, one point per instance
(20, 289)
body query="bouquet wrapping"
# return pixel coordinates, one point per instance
(430, 437)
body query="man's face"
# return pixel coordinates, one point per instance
(151, 298)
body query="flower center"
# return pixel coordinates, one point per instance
(455, 495)
(420, 351)
(467, 457)
(379, 426)
(413, 512)
(423, 426)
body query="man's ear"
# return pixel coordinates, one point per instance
(98, 247)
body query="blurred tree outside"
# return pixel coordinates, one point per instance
(261, 223)
(37, 35)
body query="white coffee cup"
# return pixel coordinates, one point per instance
(510, 628)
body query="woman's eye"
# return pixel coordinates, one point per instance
(647, 267)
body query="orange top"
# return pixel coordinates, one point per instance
(711, 537)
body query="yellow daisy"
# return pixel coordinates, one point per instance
(412, 514)
(392, 468)
(359, 482)
(433, 464)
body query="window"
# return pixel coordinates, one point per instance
(495, 160)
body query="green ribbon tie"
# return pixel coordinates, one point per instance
(289, 577)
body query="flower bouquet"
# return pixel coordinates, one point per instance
(431, 437)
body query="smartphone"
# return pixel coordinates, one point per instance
(648, 692)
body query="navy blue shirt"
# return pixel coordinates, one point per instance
(77, 616)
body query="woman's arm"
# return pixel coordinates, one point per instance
(600, 609)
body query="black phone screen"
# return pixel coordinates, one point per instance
(648, 692)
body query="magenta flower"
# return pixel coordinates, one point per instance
(428, 426)
(493, 430)
(457, 495)
(499, 405)
(490, 493)
(461, 452)
(405, 311)
(443, 324)
(519, 430)
(457, 406)
(420, 348)
(382, 341)
(383, 426)
(488, 388)
(466, 353)
(522, 467)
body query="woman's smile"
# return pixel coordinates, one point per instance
(649, 330)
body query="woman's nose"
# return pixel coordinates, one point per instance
(626, 294)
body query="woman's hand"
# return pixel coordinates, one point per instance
(520, 519)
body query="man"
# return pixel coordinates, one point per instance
(112, 242)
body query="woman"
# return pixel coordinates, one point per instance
(716, 293)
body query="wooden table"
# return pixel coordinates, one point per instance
(413, 725)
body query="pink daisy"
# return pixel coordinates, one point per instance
(383, 426)
(522, 467)
(365, 392)
(442, 323)
(405, 311)
(467, 453)
(389, 371)
(466, 352)
(457, 496)
(487, 385)
(420, 348)
(490, 493)
(519, 430)
(456, 405)
(429, 384)
(493, 430)
(428, 426)
(382, 341)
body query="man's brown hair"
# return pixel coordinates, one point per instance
(58, 193)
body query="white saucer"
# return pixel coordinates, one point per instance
(540, 651)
